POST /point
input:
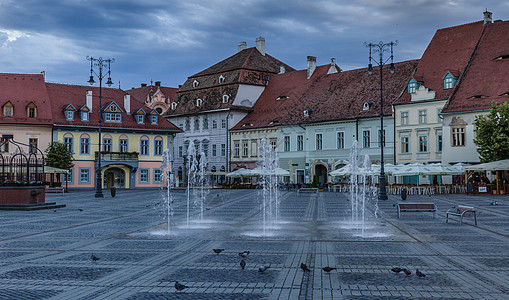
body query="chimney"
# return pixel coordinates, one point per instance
(127, 103)
(89, 100)
(158, 83)
(260, 45)
(143, 85)
(311, 65)
(333, 67)
(487, 17)
(282, 69)
(242, 46)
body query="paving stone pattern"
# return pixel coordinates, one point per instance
(47, 254)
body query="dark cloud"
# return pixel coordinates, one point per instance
(170, 40)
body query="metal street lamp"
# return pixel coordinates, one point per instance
(101, 63)
(380, 48)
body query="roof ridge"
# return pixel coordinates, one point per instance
(247, 58)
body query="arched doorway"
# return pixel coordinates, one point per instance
(114, 177)
(321, 174)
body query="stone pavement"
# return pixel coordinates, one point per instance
(47, 254)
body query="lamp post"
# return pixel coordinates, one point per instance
(100, 63)
(380, 48)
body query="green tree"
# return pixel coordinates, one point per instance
(492, 133)
(58, 156)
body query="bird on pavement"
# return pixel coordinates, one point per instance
(244, 254)
(262, 269)
(80, 209)
(179, 287)
(328, 269)
(396, 270)
(242, 264)
(304, 267)
(94, 258)
(494, 203)
(407, 272)
(217, 251)
(419, 274)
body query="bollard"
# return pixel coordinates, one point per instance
(403, 194)
(113, 191)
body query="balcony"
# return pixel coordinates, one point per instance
(117, 156)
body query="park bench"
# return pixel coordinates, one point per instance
(417, 207)
(57, 189)
(460, 211)
(307, 190)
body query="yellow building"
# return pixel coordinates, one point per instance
(133, 137)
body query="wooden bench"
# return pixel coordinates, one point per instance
(461, 211)
(417, 207)
(56, 189)
(307, 190)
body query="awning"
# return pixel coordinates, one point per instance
(52, 170)
(491, 166)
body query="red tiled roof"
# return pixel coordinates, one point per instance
(61, 94)
(449, 50)
(282, 92)
(20, 90)
(486, 76)
(341, 96)
(248, 59)
(140, 94)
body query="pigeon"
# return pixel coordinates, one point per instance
(494, 203)
(396, 270)
(80, 209)
(262, 269)
(54, 210)
(217, 251)
(94, 258)
(407, 272)
(179, 287)
(419, 274)
(242, 264)
(244, 254)
(328, 269)
(304, 267)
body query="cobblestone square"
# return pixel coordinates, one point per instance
(48, 254)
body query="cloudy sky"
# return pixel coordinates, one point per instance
(168, 40)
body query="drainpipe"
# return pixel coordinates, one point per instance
(228, 152)
(357, 130)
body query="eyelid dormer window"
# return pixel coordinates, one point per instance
(221, 79)
(196, 83)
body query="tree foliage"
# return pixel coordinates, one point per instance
(492, 133)
(58, 156)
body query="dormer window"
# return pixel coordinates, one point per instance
(174, 105)
(412, 86)
(69, 115)
(367, 105)
(226, 98)
(140, 119)
(282, 98)
(31, 110)
(196, 83)
(153, 119)
(84, 116)
(221, 79)
(112, 117)
(199, 102)
(502, 57)
(8, 109)
(449, 81)
(477, 97)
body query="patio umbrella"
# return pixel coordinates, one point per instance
(491, 166)
(241, 173)
(52, 170)
(416, 169)
(277, 172)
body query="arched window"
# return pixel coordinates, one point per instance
(199, 102)
(144, 141)
(69, 142)
(107, 143)
(221, 79)
(222, 169)
(85, 144)
(174, 105)
(158, 146)
(8, 109)
(213, 169)
(196, 83)
(123, 143)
